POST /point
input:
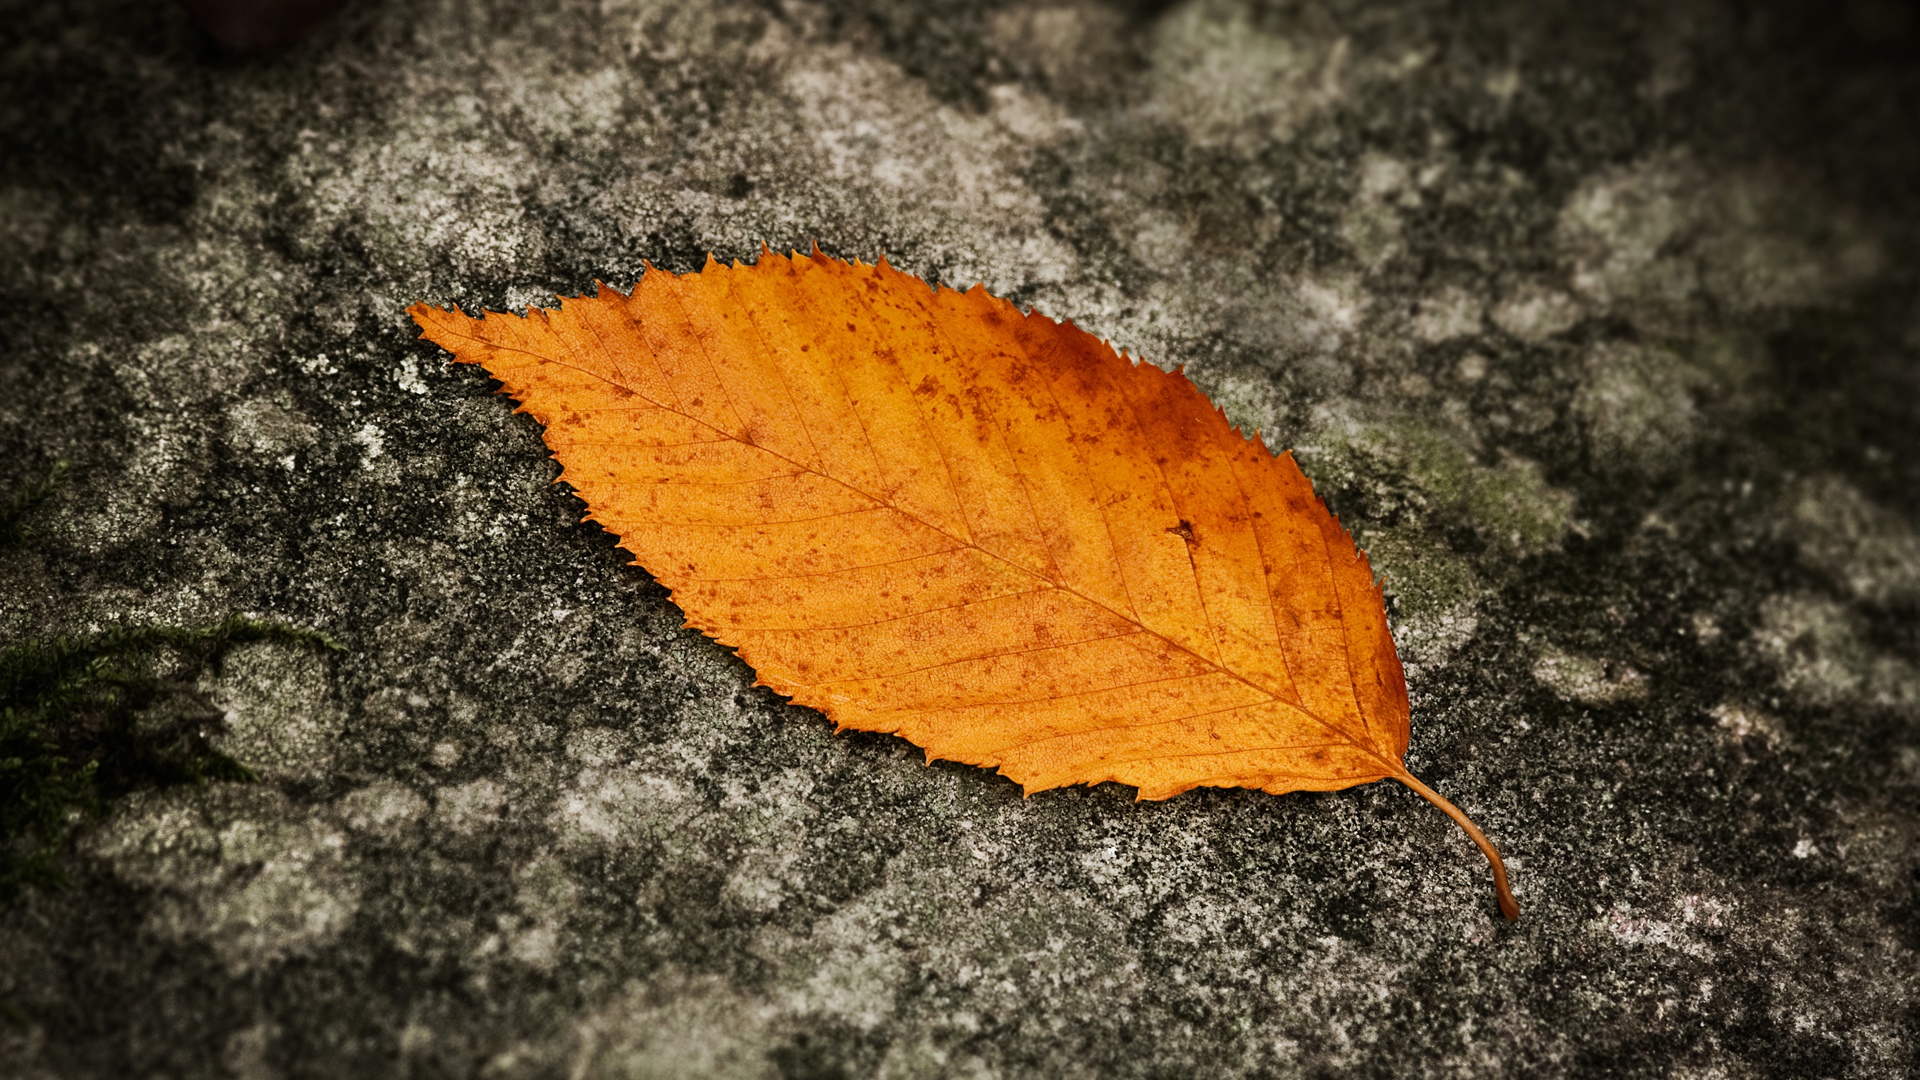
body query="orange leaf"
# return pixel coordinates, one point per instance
(922, 512)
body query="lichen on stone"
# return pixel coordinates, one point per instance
(1594, 325)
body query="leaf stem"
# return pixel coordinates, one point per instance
(1508, 905)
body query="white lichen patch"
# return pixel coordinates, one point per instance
(889, 145)
(1030, 117)
(666, 31)
(1325, 313)
(1586, 679)
(1227, 79)
(280, 715)
(1866, 549)
(470, 807)
(1448, 314)
(1534, 312)
(773, 820)
(675, 1026)
(1636, 405)
(407, 376)
(240, 868)
(373, 444)
(268, 428)
(166, 465)
(1372, 223)
(998, 947)
(853, 143)
(1075, 48)
(848, 968)
(1329, 979)
(537, 946)
(544, 890)
(1160, 240)
(1678, 929)
(245, 1053)
(382, 808)
(599, 747)
(924, 1057)
(621, 807)
(1824, 657)
(1665, 229)
(1739, 722)
(1619, 227)
(434, 185)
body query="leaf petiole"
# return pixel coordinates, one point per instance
(1508, 905)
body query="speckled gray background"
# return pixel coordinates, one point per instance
(1597, 323)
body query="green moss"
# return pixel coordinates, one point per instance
(1508, 502)
(1424, 575)
(84, 721)
(13, 519)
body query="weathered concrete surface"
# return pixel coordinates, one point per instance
(1598, 325)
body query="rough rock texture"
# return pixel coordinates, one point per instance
(1597, 324)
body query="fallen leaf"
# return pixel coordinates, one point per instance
(923, 512)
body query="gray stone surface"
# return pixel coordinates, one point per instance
(1598, 324)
